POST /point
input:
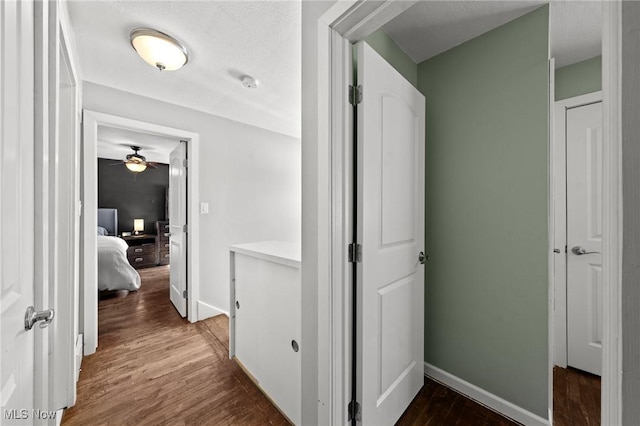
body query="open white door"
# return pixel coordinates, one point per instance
(390, 227)
(584, 238)
(177, 227)
(17, 260)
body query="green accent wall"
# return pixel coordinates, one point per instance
(486, 299)
(389, 50)
(579, 79)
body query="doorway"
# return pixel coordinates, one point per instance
(92, 122)
(578, 253)
(342, 20)
(141, 192)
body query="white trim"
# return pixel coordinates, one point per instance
(612, 215)
(559, 230)
(352, 20)
(206, 310)
(550, 252)
(91, 121)
(490, 400)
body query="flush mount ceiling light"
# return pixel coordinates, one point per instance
(158, 49)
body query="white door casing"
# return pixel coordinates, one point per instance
(17, 259)
(177, 223)
(585, 230)
(390, 227)
(92, 120)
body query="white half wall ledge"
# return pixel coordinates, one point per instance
(208, 311)
(483, 397)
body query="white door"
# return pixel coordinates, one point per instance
(584, 238)
(390, 227)
(17, 212)
(177, 224)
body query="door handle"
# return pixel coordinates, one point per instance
(579, 251)
(32, 316)
(422, 258)
(167, 234)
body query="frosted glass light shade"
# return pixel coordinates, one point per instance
(138, 225)
(158, 49)
(135, 166)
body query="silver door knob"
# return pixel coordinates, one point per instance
(422, 258)
(579, 251)
(32, 316)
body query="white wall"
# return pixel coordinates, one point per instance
(250, 177)
(311, 400)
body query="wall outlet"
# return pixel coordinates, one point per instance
(204, 208)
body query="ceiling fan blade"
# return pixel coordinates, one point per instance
(117, 164)
(151, 164)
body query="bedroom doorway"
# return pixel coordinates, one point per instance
(141, 202)
(144, 215)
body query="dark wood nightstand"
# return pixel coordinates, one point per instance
(162, 242)
(142, 250)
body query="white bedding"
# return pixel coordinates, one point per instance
(114, 270)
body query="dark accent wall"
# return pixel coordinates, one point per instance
(135, 195)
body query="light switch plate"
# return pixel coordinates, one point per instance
(204, 208)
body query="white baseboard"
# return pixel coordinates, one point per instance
(490, 400)
(207, 311)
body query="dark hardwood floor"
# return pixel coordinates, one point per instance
(154, 368)
(576, 398)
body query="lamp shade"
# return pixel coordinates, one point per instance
(138, 225)
(135, 166)
(158, 49)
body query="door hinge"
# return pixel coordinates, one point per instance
(355, 253)
(184, 294)
(185, 228)
(355, 94)
(354, 411)
(185, 163)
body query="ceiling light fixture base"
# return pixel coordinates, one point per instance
(250, 82)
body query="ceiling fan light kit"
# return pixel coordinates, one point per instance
(158, 49)
(136, 167)
(136, 162)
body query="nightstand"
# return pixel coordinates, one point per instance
(142, 250)
(162, 241)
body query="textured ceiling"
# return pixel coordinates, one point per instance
(225, 40)
(432, 27)
(115, 143)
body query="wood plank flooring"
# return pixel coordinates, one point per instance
(576, 398)
(154, 368)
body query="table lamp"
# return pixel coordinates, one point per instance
(138, 226)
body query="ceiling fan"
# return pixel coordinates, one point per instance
(136, 162)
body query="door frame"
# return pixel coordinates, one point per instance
(352, 20)
(93, 119)
(559, 170)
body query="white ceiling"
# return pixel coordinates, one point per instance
(115, 143)
(432, 27)
(225, 40)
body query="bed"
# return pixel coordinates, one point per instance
(114, 270)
